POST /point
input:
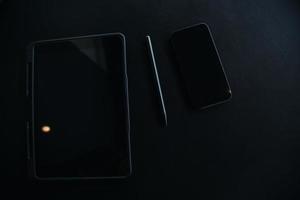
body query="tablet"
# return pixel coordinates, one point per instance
(78, 126)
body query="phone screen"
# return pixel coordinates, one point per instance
(200, 66)
(80, 108)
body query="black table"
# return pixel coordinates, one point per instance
(245, 149)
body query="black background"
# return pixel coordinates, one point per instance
(245, 149)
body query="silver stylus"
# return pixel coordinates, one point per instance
(157, 81)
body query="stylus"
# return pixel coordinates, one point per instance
(157, 81)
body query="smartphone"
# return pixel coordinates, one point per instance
(78, 123)
(200, 66)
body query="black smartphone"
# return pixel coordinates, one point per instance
(200, 66)
(78, 125)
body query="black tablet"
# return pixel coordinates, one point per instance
(78, 125)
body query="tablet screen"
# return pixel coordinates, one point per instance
(80, 108)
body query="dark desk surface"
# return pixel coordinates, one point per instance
(245, 149)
